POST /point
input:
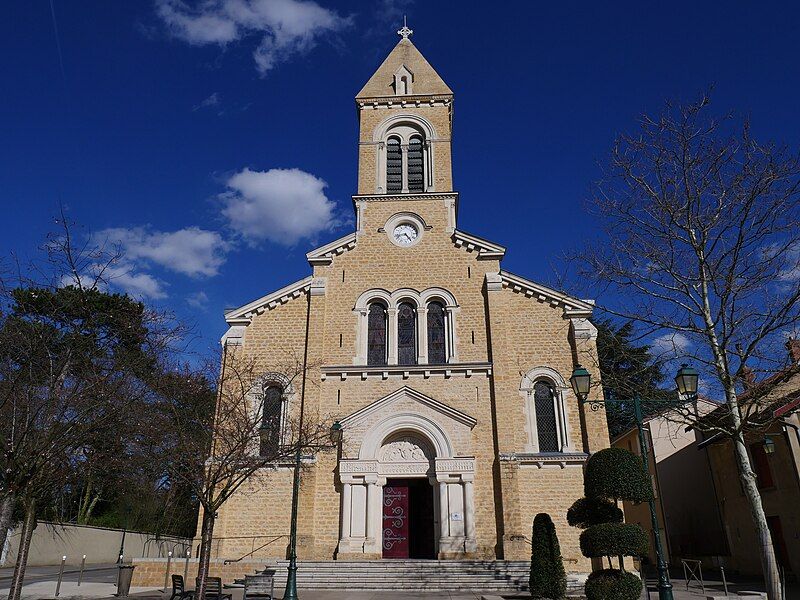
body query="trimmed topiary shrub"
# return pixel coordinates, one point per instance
(613, 584)
(586, 512)
(617, 474)
(547, 579)
(614, 539)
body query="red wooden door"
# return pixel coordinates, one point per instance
(395, 522)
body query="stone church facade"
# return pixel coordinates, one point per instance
(448, 374)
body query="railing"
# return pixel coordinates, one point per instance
(275, 539)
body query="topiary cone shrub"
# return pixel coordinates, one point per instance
(613, 584)
(547, 579)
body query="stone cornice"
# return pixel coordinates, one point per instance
(486, 249)
(244, 314)
(405, 197)
(572, 306)
(415, 101)
(324, 254)
(545, 459)
(407, 371)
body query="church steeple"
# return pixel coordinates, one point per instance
(405, 118)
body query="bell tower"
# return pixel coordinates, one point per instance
(405, 114)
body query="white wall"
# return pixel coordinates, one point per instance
(100, 545)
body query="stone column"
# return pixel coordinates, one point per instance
(444, 513)
(422, 335)
(471, 544)
(404, 153)
(373, 541)
(450, 332)
(391, 335)
(346, 511)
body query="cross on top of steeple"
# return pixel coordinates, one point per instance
(405, 32)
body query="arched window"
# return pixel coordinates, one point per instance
(437, 347)
(376, 335)
(416, 169)
(546, 420)
(271, 420)
(406, 334)
(394, 166)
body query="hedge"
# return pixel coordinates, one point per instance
(614, 539)
(613, 584)
(547, 578)
(586, 512)
(617, 474)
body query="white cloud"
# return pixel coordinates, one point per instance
(212, 100)
(791, 270)
(279, 205)
(198, 300)
(137, 285)
(285, 27)
(670, 345)
(192, 251)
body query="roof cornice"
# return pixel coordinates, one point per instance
(405, 197)
(244, 314)
(573, 307)
(324, 254)
(486, 249)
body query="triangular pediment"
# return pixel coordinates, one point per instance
(404, 56)
(406, 393)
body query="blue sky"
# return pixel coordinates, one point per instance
(180, 129)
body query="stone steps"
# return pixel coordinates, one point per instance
(412, 575)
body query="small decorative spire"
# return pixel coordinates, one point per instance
(405, 32)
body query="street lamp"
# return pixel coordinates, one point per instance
(290, 593)
(686, 380)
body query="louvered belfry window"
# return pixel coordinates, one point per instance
(394, 166)
(406, 335)
(376, 335)
(437, 352)
(546, 421)
(271, 421)
(415, 167)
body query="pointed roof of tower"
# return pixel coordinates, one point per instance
(405, 54)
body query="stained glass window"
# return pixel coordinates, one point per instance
(406, 335)
(546, 421)
(415, 167)
(437, 353)
(271, 420)
(376, 335)
(394, 166)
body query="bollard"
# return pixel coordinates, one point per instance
(186, 566)
(166, 575)
(80, 575)
(60, 575)
(724, 581)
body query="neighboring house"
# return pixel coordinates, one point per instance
(449, 375)
(775, 457)
(701, 507)
(686, 502)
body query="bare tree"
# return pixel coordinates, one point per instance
(72, 360)
(216, 451)
(702, 246)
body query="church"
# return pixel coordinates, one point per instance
(448, 374)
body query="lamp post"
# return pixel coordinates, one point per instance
(290, 593)
(686, 380)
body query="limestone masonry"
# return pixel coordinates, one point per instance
(448, 374)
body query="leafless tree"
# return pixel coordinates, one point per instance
(702, 245)
(217, 451)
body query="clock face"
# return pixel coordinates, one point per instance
(405, 234)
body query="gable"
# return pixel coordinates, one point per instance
(404, 55)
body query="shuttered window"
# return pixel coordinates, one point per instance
(437, 351)
(376, 335)
(546, 421)
(415, 167)
(394, 166)
(406, 335)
